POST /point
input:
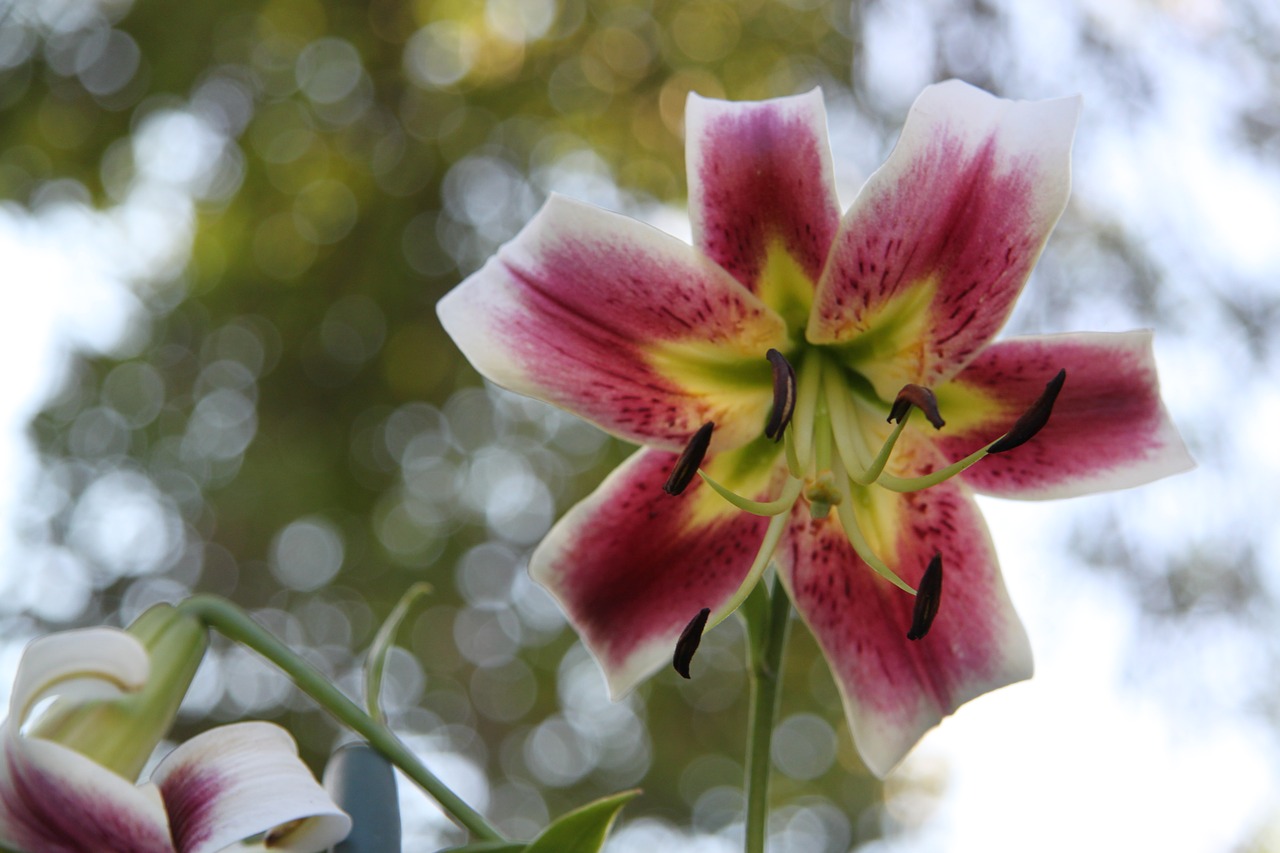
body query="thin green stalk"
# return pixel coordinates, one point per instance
(237, 625)
(766, 676)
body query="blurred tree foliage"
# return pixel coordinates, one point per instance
(349, 163)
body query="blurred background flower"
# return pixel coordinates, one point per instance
(224, 228)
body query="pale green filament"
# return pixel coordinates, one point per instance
(848, 437)
(793, 459)
(781, 504)
(849, 521)
(806, 406)
(915, 484)
(822, 438)
(877, 465)
(772, 535)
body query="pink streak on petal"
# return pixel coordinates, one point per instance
(760, 172)
(56, 801)
(567, 311)
(242, 779)
(894, 689)
(968, 198)
(1109, 429)
(631, 571)
(191, 794)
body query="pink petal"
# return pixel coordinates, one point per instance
(632, 565)
(1108, 430)
(940, 241)
(621, 324)
(53, 800)
(894, 689)
(760, 176)
(239, 780)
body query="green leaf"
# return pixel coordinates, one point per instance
(582, 830)
(489, 847)
(377, 659)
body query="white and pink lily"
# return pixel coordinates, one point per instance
(784, 307)
(225, 785)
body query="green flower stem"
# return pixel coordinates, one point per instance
(237, 625)
(768, 642)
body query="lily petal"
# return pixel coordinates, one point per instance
(84, 664)
(54, 800)
(940, 241)
(1109, 429)
(621, 324)
(240, 780)
(631, 565)
(894, 689)
(760, 181)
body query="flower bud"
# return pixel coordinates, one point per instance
(121, 732)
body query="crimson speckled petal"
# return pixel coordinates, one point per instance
(895, 689)
(940, 241)
(620, 324)
(759, 174)
(631, 565)
(1109, 429)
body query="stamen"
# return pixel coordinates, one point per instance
(784, 395)
(687, 465)
(808, 383)
(928, 597)
(785, 500)
(1023, 430)
(847, 433)
(690, 637)
(789, 451)
(772, 534)
(872, 473)
(920, 397)
(1033, 419)
(849, 521)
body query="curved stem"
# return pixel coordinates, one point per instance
(766, 675)
(237, 625)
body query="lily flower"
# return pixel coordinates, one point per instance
(223, 786)
(787, 320)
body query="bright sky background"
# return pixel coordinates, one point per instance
(1128, 738)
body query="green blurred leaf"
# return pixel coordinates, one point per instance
(582, 830)
(489, 847)
(382, 642)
